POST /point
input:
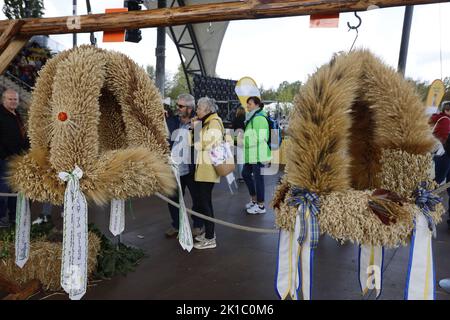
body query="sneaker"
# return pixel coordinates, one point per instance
(171, 232)
(202, 237)
(197, 232)
(206, 244)
(256, 210)
(41, 219)
(250, 204)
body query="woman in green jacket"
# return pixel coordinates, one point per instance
(256, 154)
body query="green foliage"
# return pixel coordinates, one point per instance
(178, 85)
(7, 236)
(111, 260)
(151, 71)
(268, 95)
(173, 88)
(285, 93)
(20, 9)
(6, 239)
(421, 88)
(115, 259)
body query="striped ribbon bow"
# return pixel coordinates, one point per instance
(306, 200)
(427, 202)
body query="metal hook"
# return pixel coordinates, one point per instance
(357, 26)
(350, 27)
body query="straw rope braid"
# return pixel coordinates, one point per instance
(229, 224)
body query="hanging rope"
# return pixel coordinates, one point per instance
(229, 224)
(224, 223)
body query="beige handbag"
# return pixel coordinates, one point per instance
(222, 158)
(226, 167)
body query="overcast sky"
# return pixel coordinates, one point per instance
(274, 50)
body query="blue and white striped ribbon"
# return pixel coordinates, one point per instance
(308, 235)
(420, 280)
(370, 268)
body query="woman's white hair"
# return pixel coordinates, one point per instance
(209, 104)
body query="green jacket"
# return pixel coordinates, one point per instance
(256, 137)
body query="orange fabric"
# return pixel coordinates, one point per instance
(324, 20)
(114, 36)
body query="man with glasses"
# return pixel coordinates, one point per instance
(182, 153)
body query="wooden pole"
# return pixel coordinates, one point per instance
(227, 11)
(10, 32)
(11, 51)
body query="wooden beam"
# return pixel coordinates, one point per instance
(227, 11)
(7, 35)
(11, 51)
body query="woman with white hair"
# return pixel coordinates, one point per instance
(208, 133)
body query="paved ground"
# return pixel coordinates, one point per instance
(243, 264)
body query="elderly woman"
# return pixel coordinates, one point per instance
(208, 133)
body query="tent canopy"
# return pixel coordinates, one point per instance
(199, 47)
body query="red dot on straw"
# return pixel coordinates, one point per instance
(62, 116)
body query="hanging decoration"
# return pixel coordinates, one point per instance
(360, 143)
(97, 134)
(75, 236)
(22, 235)
(117, 217)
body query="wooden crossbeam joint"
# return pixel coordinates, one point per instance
(11, 31)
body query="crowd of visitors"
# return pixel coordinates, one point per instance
(27, 64)
(194, 131)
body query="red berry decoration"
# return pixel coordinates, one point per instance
(62, 116)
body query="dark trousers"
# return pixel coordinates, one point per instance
(186, 181)
(442, 170)
(204, 192)
(6, 202)
(252, 176)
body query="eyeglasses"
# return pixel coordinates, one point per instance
(180, 106)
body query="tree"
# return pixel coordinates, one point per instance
(151, 72)
(178, 84)
(20, 9)
(287, 91)
(421, 88)
(268, 95)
